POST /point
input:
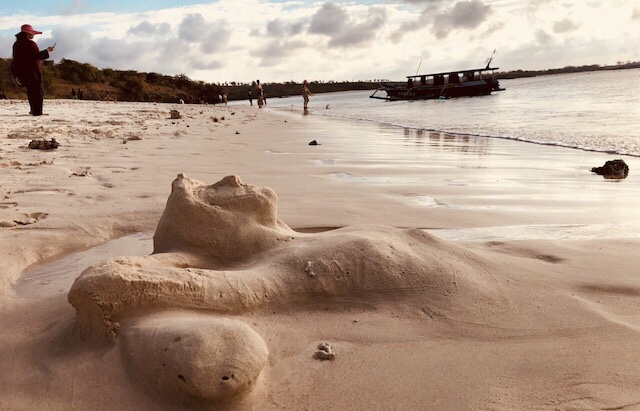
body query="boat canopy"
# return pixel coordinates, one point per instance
(444, 73)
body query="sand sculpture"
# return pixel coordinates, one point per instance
(221, 249)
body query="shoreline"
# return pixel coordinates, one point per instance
(552, 314)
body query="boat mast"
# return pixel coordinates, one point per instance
(419, 67)
(490, 58)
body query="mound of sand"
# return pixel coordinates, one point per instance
(204, 357)
(221, 248)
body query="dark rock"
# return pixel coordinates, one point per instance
(174, 114)
(613, 169)
(313, 143)
(40, 144)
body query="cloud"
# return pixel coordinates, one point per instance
(330, 19)
(278, 28)
(70, 42)
(211, 36)
(564, 26)
(542, 37)
(277, 51)
(191, 27)
(120, 53)
(76, 7)
(636, 14)
(463, 15)
(146, 28)
(211, 65)
(333, 21)
(215, 38)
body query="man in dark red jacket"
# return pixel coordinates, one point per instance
(28, 68)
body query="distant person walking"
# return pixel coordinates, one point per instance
(250, 95)
(305, 93)
(28, 67)
(259, 94)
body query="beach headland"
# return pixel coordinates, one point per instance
(266, 247)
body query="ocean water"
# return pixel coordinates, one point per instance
(595, 111)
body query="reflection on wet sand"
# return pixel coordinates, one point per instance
(448, 141)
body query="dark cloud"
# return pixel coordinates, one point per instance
(276, 51)
(146, 28)
(329, 19)
(215, 38)
(443, 18)
(117, 52)
(174, 50)
(564, 26)
(191, 28)
(542, 37)
(362, 32)
(463, 15)
(211, 36)
(278, 28)
(275, 28)
(333, 21)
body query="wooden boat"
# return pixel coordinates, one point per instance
(449, 84)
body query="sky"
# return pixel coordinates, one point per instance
(276, 41)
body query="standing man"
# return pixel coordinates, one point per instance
(259, 96)
(28, 67)
(305, 94)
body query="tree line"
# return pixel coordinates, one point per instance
(129, 85)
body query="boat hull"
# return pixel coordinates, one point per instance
(426, 92)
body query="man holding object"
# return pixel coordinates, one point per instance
(28, 68)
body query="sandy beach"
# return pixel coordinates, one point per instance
(444, 272)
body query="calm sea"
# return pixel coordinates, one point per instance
(597, 111)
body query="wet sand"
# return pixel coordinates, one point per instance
(556, 327)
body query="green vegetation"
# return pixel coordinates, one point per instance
(129, 85)
(115, 85)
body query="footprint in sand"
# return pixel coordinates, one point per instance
(221, 250)
(26, 219)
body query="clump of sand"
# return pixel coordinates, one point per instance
(221, 248)
(189, 355)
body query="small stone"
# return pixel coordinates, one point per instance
(324, 352)
(309, 270)
(313, 143)
(40, 144)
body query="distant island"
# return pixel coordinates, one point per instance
(128, 85)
